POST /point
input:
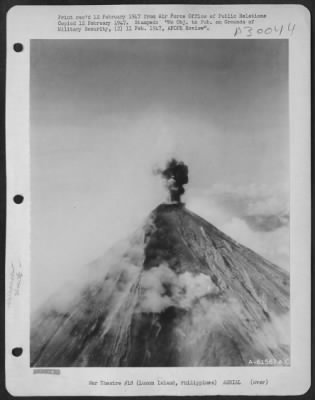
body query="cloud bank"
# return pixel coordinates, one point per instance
(255, 215)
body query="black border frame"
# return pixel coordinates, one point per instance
(5, 6)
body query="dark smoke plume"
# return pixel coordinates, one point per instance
(176, 176)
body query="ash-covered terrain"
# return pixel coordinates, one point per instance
(177, 292)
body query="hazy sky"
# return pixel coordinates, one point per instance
(104, 113)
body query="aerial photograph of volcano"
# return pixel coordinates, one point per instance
(160, 203)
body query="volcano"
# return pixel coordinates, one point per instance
(177, 292)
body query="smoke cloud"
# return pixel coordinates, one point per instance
(161, 287)
(176, 176)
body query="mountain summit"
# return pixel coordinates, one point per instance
(177, 292)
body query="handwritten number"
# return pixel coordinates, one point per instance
(280, 29)
(291, 30)
(249, 31)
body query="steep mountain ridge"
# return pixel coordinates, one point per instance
(178, 292)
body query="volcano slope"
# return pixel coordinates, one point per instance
(177, 292)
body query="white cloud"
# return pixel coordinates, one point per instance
(272, 245)
(207, 209)
(253, 198)
(161, 287)
(226, 206)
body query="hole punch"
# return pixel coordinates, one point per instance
(18, 199)
(17, 351)
(18, 47)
